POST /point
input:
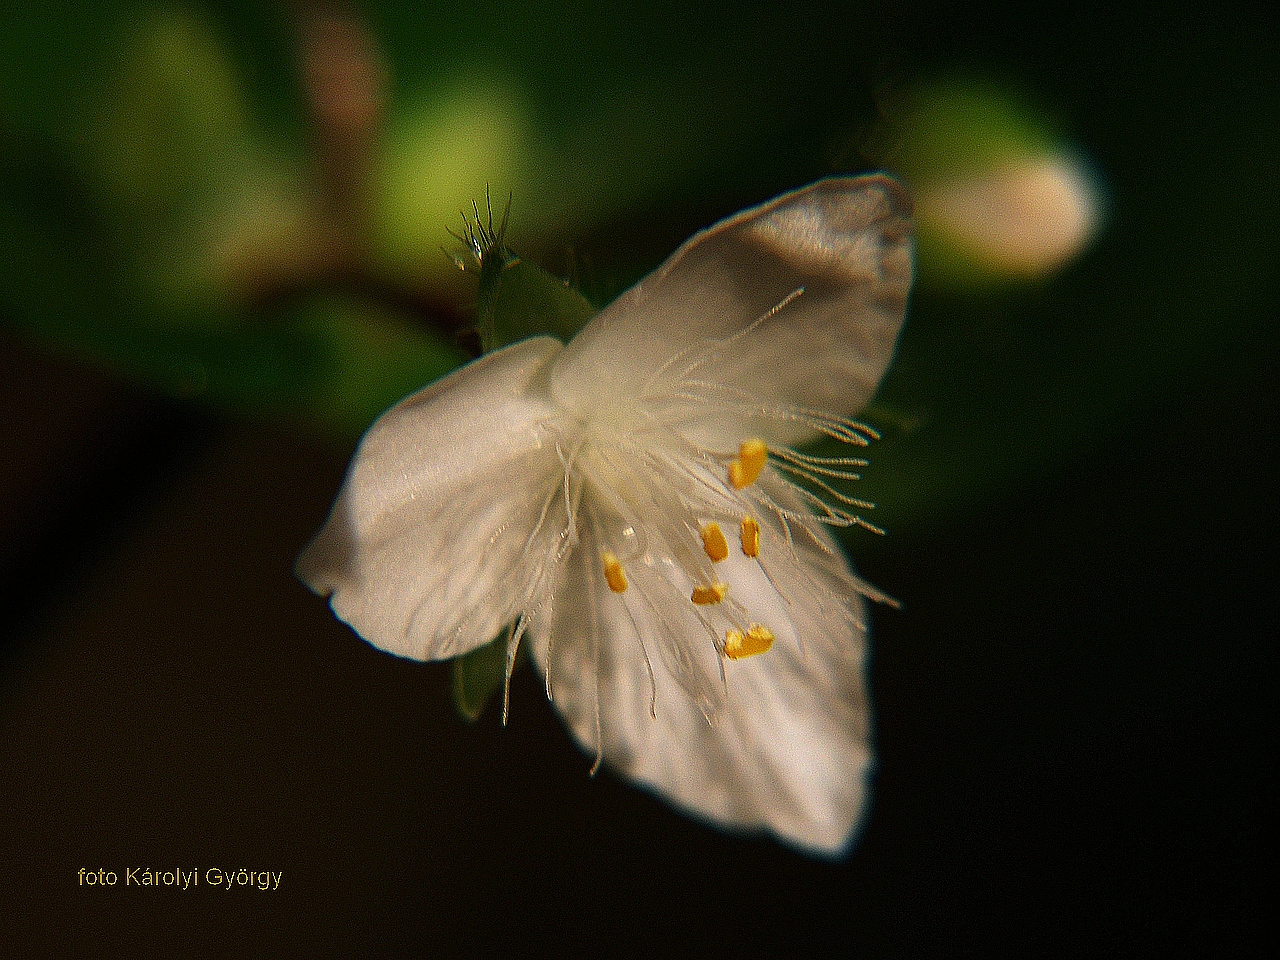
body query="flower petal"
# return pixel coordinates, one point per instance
(426, 553)
(798, 301)
(787, 748)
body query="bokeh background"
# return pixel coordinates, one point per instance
(221, 232)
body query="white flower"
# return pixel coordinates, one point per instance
(631, 502)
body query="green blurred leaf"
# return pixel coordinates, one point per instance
(961, 125)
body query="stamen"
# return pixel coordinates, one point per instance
(594, 520)
(752, 455)
(613, 572)
(713, 542)
(712, 594)
(758, 639)
(749, 534)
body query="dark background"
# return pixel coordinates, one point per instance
(1072, 706)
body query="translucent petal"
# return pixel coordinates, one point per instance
(786, 749)
(442, 525)
(795, 303)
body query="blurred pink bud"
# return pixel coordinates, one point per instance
(1026, 216)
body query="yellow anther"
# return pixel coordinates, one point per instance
(712, 594)
(749, 533)
(713, 542)
(613, 572)
(757, 639)
(752, 455)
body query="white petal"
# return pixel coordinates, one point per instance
(705, 316)
(426, 553)
(787, 749)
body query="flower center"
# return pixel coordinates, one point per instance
(654, 510)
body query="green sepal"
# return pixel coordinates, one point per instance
(477, 676)
(522, 300)
(518, 299)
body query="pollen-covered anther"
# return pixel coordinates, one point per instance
(614, 575)
(749, 534)
(743, 471)
(713, 542)
(757, 639)
(711, 594)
